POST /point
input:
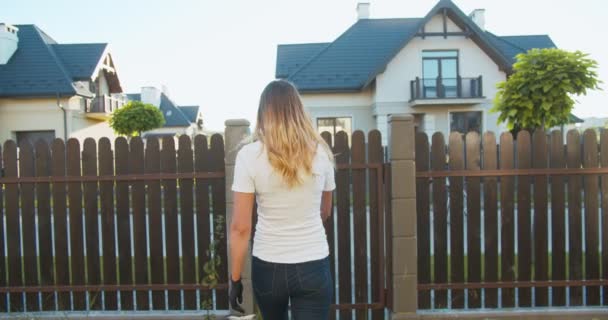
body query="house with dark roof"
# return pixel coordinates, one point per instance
(179, 120)
(53, 90)
(442, 68)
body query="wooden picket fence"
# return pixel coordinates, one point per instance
(517, 214)
(122, 226)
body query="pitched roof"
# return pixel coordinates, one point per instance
(191, 112)
(355, 58)
(42, 67)
(174, 117)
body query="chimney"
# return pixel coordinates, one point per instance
(479, 17)
(363, 10)
(8, 42)
(150, 95)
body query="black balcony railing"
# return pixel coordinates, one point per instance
(446, 88)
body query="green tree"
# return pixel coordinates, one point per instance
(539, 92)
(136, 117)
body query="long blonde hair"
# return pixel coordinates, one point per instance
(287, 133)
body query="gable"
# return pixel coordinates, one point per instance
(435, 25)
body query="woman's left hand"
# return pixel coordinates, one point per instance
(236, 295)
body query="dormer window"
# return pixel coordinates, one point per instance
(440, 73)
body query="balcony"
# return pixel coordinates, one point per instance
(446, 91)
(102, 106)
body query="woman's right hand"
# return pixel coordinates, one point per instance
(236, 295)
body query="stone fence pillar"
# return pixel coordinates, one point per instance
(403, 202)
(236, 130)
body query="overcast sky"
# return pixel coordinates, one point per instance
(220, 54)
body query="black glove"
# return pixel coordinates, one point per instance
(236, 295)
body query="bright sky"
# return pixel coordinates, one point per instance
(220, 54)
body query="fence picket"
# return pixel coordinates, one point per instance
(592, 261)
(28, 224)
(423, 234)
(524, 261)
(13, 233)
(456, 221)
(490, 219)
(342, 153)
(185, 165)
(154, 202)
(168, 165)
(375, 155)
(440, 259)
(138, 200)
(3, 265)
(58, 153)
(604, 195)
(75, 218)
(574, 217)
(123, 223)
(473, 214)
(507, 220)
(106, 198)
(359, 184)
(540, 224)
(558, 231)
(89, 168)
(218, 190)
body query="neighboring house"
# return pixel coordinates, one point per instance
(50, 90)
(179, 120)
(442, 68)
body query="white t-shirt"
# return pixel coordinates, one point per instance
(289, 227)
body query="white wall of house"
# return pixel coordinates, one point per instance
(391, 92)
(43, 114)
(173, 130)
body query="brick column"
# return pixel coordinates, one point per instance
(236, 130)
(403, 202)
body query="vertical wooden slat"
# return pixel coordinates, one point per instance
(123, 224)
(438, 162)
(168, 165)
(423, 222)
(157, 269)
(473, 214)
(106, 195)
(541, 250)
(3, 280)
(185, 165)
(89, 168)
(604, 195)
(359, 220)
(592, 261)
(219, 209)
(375, 155)
(60, 223)
(28, 223)
(343, 221)
(456, 222)
(507, 220)
(45, 235)
(13, 233)
(76, 233)
(490, 216)
(138, 200)
(524, 261)
(203, 233)
(574, 217)
(329, 225)
(558, 231)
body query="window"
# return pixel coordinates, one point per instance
(335, 125)
(33, 136)
(465, 122)
(440, 74)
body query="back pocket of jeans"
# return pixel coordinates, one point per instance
(314, 277)
(263, 277)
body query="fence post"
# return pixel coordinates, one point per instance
(403, 202)
(236, 130)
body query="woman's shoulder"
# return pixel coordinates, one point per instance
(251, 149)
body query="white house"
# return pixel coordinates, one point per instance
(50, 90)
(442, 68)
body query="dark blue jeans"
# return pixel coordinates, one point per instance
(308, 286)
